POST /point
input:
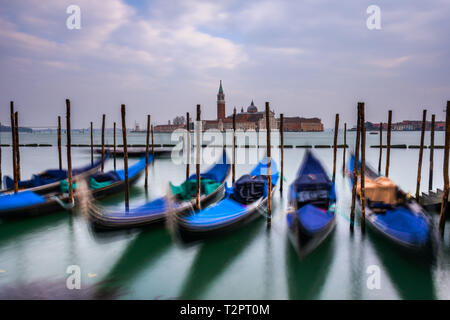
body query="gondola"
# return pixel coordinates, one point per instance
(312, 199)
(400, 219)
(29, 203)
(182, 201)
(242, 203)
(48, 181)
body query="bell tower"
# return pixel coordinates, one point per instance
(220, 103)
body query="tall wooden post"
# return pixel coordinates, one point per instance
(16, 121)
(1, 178)
(103, 142)
(430, 175)
(92, 144)
(345, 148)
(233, 164)
(13, 144)
(282, 151)
(114, 146)
(125, 159)
(446, 178)
(197, 164)
(336, 128)
(269, 169)
(355, 168)
(188, 145)
(146, 152)
(419, 167)
(69, 155)
(363, 168)
(388, 143)
(153, 141)
(59, 144)
(381, 148)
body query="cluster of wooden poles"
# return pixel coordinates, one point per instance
(360, 147)
(16, 152)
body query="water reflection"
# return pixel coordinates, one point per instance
(11, 230)
(306, 278)
(410, 274)
(139, 255)
(214, 257)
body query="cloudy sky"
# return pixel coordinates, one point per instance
(308, 58)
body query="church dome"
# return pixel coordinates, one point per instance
(252, 108)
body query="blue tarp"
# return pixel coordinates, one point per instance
(224, 211)
(134, 169)
(313, 219)
(404, 225)
(217, 172)
(19, 200)
(311, 175)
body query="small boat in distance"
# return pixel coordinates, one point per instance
(393, 214)
(312, 200)
(182, 201)
(138, 152)
(243, 203)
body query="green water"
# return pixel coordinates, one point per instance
(250, 263)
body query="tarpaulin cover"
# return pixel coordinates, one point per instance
(311, 175)
(313, 219)
(404, 225)
(248, 189)
(20, 200)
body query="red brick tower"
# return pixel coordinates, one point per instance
(220, 104)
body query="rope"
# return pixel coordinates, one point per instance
(65, 206)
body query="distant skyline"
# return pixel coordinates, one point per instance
(310, 58)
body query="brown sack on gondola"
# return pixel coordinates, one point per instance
(381, 189)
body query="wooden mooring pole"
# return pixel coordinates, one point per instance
(92, 144)
(281, 152)
(16, 124)
(336, 128)
(1, 178)
(363, 169)
(388, 143)
(103, 142)
(125, 159)
(269, 169)
(59, 144)
(13, 144)
(153, 141)
(430, 174)
(146, 152)
(419, 166)
(114, 145)
(381, 148)
(233, 164)
(355, 168)
(345, 148)
(446, 178)
(188, 145)
(69, 154)
(197, 158)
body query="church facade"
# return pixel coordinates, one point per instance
(255, 120)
